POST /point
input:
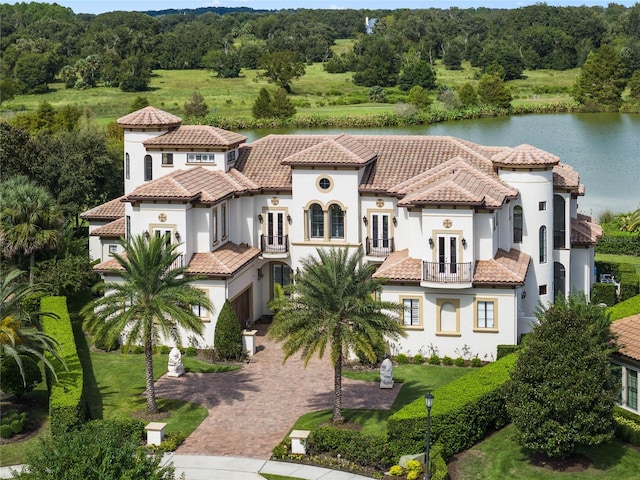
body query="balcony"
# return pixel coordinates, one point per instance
(275, 245)
(177, 263)
(379, 247)
(435, 272)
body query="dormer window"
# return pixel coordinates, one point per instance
(208, 158)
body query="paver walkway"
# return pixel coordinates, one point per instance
(252, 409)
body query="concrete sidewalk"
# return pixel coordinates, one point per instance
(201, 467)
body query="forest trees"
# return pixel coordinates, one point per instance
(281, 68)
(602, 80)
(562, 389)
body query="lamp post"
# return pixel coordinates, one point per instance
(428, 399)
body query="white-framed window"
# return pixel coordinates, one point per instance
(148, 168)
(632, 389)
(517, 224)
(113, 249)
(411, 312)
(199, 311)
(167, 159)
(485, 314)
(214, 225)
(209, 158)
(336, 221)
(127, 166)
(223, 220)
(316, 221)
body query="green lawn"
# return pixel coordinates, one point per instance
(416, 381)
(499, 457)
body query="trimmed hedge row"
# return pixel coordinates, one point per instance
(619, 245)
(604, 293)
(67, 408)
(625, 309)
(628, 285)
(627, 426)
(507, 349)
(463, 412)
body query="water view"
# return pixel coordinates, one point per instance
(603, 147)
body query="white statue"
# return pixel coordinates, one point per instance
(175, 363)
(386, 374)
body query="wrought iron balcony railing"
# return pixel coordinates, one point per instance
(274, 243)
(447, 272)
(379, 247)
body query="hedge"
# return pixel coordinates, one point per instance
(627, 426)
(504, 350)
(628, 285)
(462, 414)
(603, 293)
(619, 245)
(625, 309)
(67, 409)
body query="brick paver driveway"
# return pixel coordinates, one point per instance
(252, 409)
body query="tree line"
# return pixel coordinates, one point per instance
(40, 42)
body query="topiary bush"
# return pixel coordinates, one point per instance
(5, 431)
(402, 359)
(434, 360)
(16, 427)
(448, 361)
(418, 359)
(11, 380)
(459, 362)
(227, 340)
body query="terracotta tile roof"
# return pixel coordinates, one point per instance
(628, 331)
(399, 266)
(585, 230)
(196, 136)
(224, 262)
(115, 229)
(454, 182)
(194, 184)
(343, 150)
(566, 178)
(505, 268)
(109, 266)
(524, 156)
(149, 117)
(107, 211)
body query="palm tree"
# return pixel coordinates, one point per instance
(30, 219)
(153, 300)
(633, 224)
(20, 332)
(333, 304)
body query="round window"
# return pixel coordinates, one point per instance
(324, 183)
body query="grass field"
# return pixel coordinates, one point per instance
(499, 457)
(316, 92)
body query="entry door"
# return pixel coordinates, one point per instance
(242, 306)
(380, 230)
(447, 254)
(275, 229)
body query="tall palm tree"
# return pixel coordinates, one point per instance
(20, 332)
(333, 304)
(153, 300)
(30, 219)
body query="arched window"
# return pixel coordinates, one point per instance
(517, 224)
(316, 221)
(543, 244)
(148, 168)
(336, 221)
(127, 166)
(559, 222)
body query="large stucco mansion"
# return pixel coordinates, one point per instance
(470, 238)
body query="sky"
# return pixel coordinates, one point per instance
(101, 6)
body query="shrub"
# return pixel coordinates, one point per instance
(476, 362)
(434, 360)
(191, 352)
(170, 443)
(402, 359)
(228, 334)
(396, 471)
(16, 426)
(106, 344)
(463, 412)
(418, 359)
(108, 449)
(459, 362)
(603, 293)
(448, 361)
(625, 309)
(626, 428)
(504, 350)
(5, 431)
(11, 380)
(628, 285)
(165, 349)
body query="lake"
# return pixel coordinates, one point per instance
(603, 147)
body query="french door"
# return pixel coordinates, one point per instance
(447, 254)
(275, 229)
(380, 230)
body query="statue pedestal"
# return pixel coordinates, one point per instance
(384, 384)
(249, 341)
(176, 371)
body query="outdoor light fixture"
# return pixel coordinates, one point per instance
(428, 399)
(260, 217)
(178, 237)
(524, 294)
(364, 220)
(289, 219)
(430, 242)
(464, 242)
(395, 222)
(146, 234)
